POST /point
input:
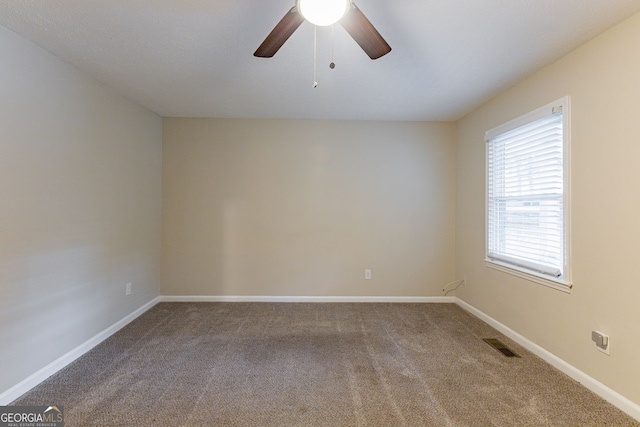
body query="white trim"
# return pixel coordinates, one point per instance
(537, 114)
(314, 299)
(558, 284)
(592, 384)
(36, 378)
(589, 382)
(566, 117)
(33, 380)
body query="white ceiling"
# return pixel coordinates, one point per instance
(194, 58)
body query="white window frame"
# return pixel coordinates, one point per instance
(563, 282)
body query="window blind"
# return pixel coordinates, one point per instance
(525, 196)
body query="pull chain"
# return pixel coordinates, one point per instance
(315, 55)
(332, 65)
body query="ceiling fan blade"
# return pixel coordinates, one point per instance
(280, 34)
(364, 33)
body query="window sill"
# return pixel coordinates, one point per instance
(558, 284)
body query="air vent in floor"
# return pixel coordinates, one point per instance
(497, 344)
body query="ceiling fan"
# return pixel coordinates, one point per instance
(347, 13)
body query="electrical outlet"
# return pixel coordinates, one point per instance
(367, 274)
(128, 289)
(603, 342)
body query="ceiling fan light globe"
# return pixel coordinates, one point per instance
(323, 12)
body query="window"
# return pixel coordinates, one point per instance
(527, 196)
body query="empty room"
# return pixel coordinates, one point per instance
(222, 213)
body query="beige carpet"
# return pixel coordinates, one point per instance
(265, 364)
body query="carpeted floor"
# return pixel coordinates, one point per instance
(268, 364)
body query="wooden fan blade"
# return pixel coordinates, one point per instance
(364, 33)
(280, 34)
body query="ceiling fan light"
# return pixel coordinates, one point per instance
(323, 12)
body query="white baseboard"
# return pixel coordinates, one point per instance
(33, 380)
(589, 382)
(225, 298)
(36, 378)
(592, 384)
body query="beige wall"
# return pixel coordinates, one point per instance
(302, 208)
(602, 79)
(80, 203)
